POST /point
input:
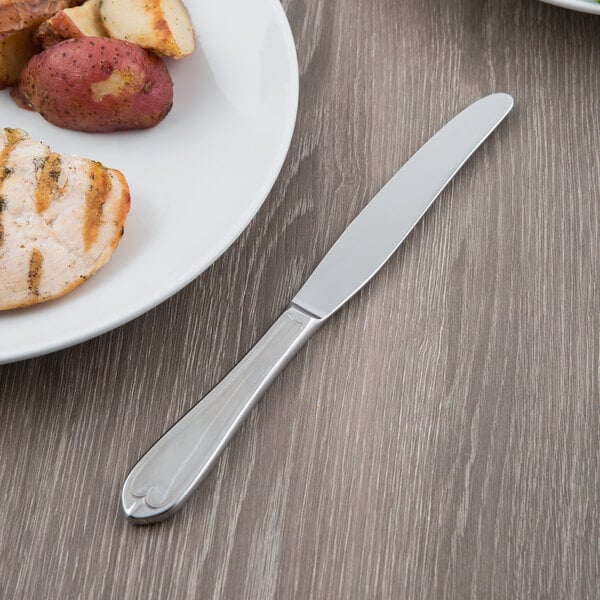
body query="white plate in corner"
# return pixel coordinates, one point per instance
(197, 179)
(588, 6)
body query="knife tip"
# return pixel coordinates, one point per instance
(503, 99)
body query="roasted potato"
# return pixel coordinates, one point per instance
(96, 84)
(79, 21)
(15, 50)
(18, 19)
(16, 15)
(162, 26)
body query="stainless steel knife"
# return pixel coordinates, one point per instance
(168, 473)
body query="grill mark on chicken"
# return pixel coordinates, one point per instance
(34, 274)
(13, 137)
(97, 192)
(47, 184)
(2, 209)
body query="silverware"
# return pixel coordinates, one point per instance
(168, 473)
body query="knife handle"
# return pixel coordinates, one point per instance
(163, 479)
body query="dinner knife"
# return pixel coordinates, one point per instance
(163, 479)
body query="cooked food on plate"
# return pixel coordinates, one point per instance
(159, 25)
(16, 48)
(61, 218)
(162, 26)
(94, 66)
(16, 15)
(18, 21)
(78, 21)
(96, 84)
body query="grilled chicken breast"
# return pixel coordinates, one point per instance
(61, 218)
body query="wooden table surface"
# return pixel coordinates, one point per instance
(438, 438)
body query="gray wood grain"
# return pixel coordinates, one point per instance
(439, 438)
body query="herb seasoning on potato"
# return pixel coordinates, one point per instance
(96, 84)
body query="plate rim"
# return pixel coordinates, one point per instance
(578, 5)
(58, 343)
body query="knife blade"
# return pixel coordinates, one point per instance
(165, 477)
(384, 223)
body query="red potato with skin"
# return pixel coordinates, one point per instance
(96, 84)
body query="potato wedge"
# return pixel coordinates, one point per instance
(16, 15)
(78, 21)
(162, 26)
(15, 50)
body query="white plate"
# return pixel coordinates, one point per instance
(196, 179)
(588, 6)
